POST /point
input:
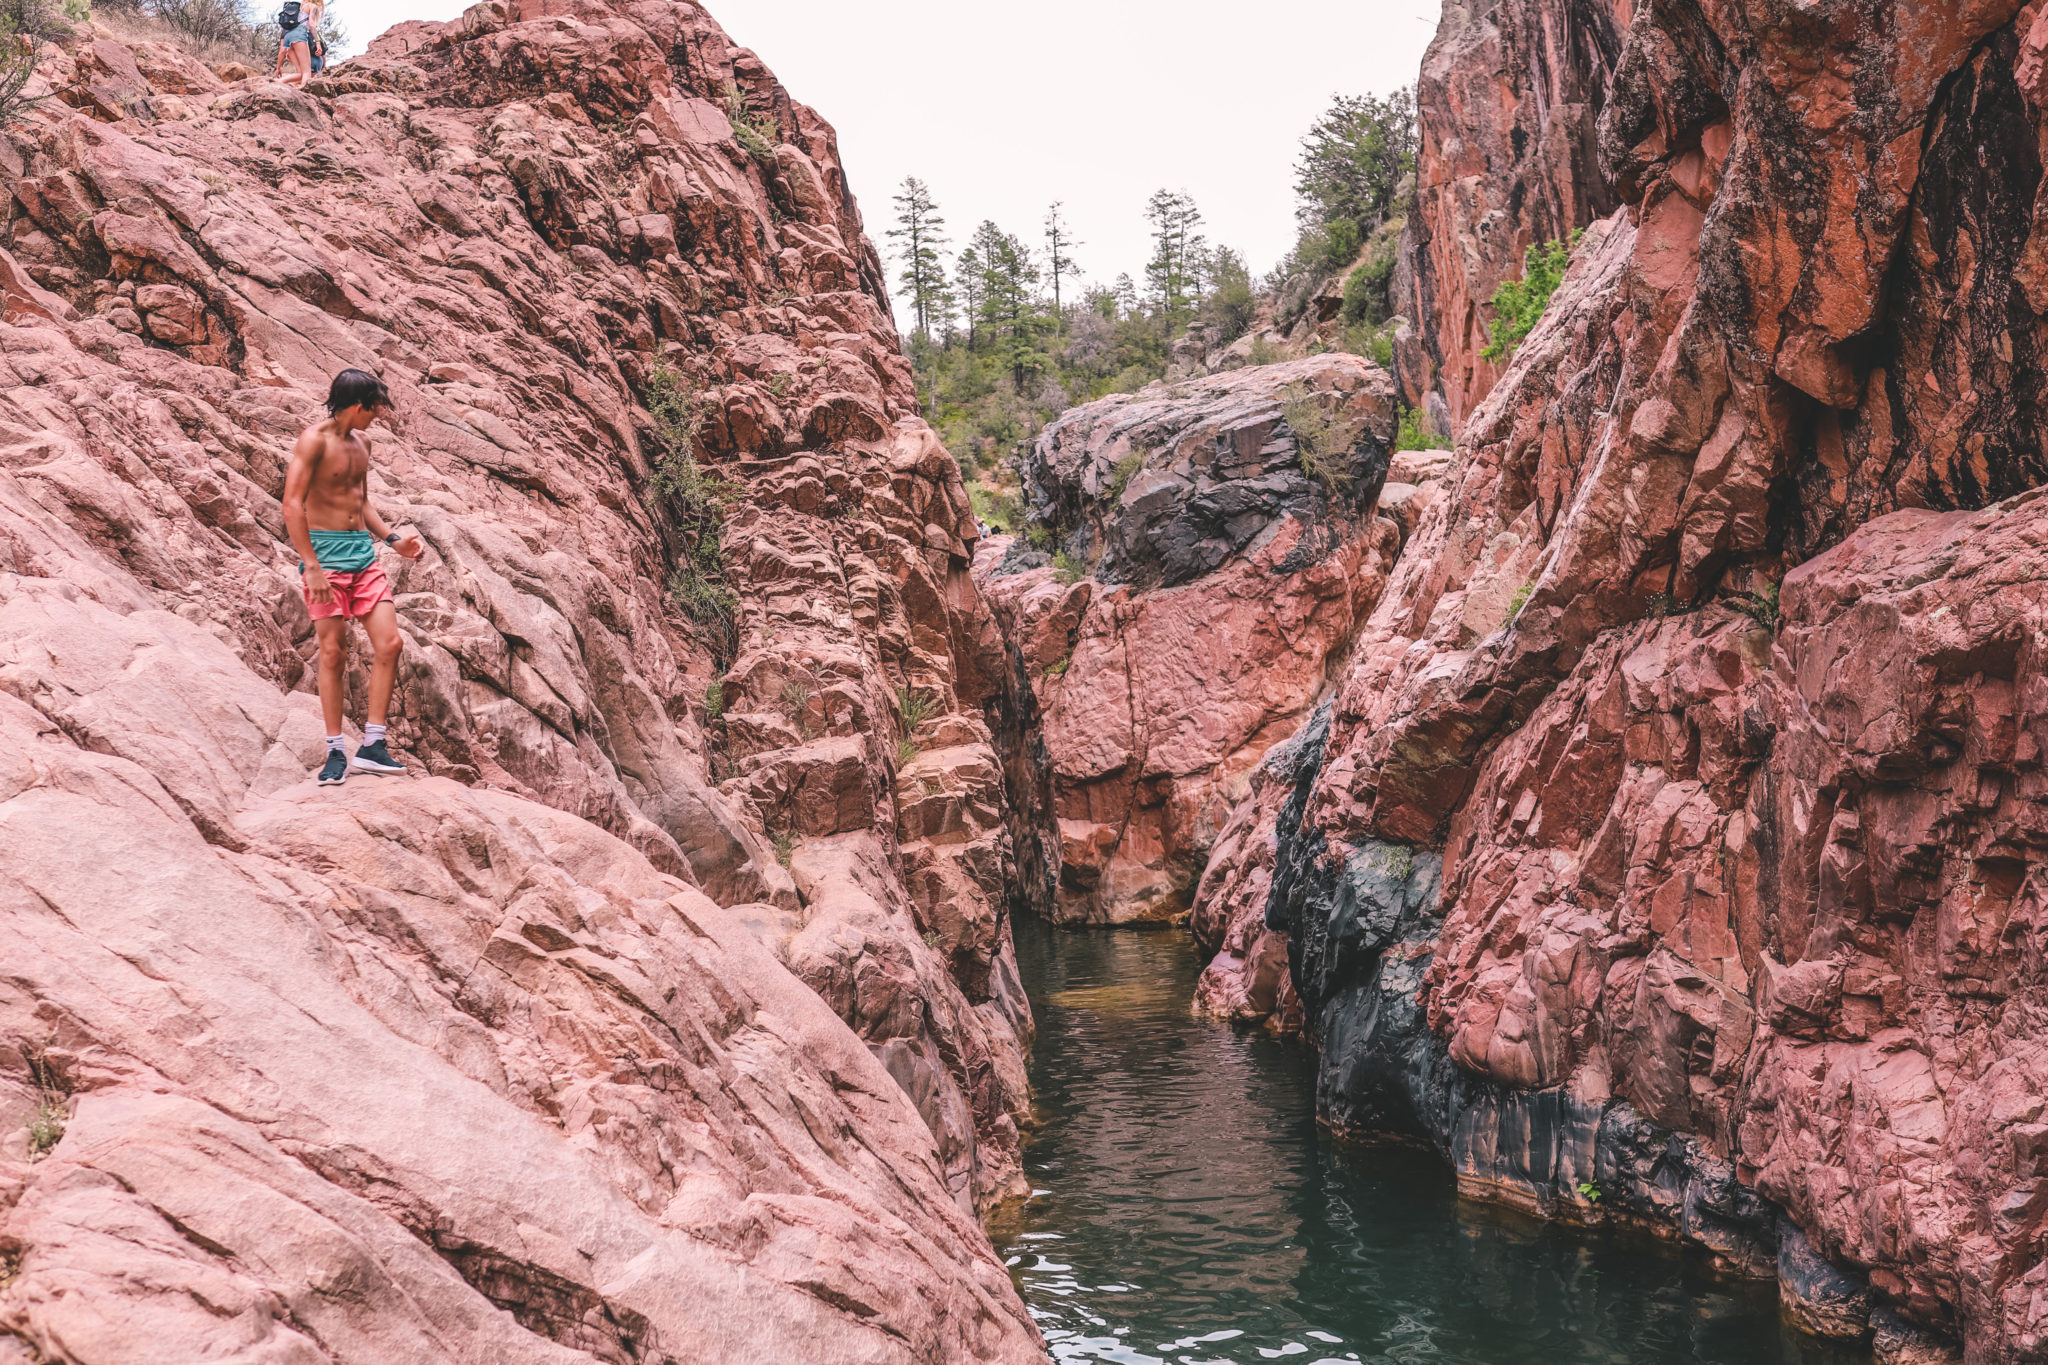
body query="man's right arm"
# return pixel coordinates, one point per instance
(298, 478)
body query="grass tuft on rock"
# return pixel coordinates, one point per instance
(1323, 436)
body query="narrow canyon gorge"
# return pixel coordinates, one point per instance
(1636, 803)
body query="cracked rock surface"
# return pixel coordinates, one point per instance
(1223, 575)
(646, 1019)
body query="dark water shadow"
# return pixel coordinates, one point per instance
(1189, 1209)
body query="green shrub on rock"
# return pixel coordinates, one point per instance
(1519, 304)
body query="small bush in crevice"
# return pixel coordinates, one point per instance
(678, 410)
(1058, 669)
(1519, 600)
(1518, 304)
(796, 695)
(702, 597)
(757, 134)
(1067, 569)
(1120, 477)
(714, 700)
(1322, 437)
(1417, 433)
(785, 846)
(695, 500)
(1396, 860)
(913, 708)
(1762, 607)
(46, 1120)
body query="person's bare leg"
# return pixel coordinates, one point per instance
(385, 642)
(333, 636)
(302, 64)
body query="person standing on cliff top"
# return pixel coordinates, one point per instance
(298, 38)
(328, 515)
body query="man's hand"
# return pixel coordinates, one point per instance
(318, 588)
(411, 546)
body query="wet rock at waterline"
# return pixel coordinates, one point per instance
(1215, 558)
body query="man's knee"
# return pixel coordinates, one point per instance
(388, 647)
(333, 649)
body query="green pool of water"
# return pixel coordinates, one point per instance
(1187, 1209)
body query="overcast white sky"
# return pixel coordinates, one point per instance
(1002, 109)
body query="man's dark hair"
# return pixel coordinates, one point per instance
(353, 388)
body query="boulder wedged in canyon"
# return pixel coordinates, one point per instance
(1712, 679)
(1226, 568)
(559, 233)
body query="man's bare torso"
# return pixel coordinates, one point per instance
(340, 479)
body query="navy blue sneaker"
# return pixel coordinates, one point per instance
(375, 758)
(334, 771)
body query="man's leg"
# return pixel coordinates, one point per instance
(385, 642)
(332, 633)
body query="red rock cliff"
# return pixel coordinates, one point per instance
(547, 1027)
(1676, 833)
(1507, 107)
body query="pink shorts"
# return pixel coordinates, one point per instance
(354, 593)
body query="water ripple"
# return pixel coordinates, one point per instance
(1188, 1211)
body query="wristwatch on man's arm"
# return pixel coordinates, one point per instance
(391, 539)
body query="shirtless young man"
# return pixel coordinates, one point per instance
(327, 511)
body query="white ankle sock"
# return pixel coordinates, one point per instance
(337, 743)
(372, 734)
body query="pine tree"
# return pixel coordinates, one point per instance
(1179, 251)
(969, 279)
(1059, 241)
(1125, 294)
(1353, 161)
(1009, 315)
(921, 231)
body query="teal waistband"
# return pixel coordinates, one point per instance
(343, 551)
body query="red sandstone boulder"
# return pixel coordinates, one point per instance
(1224, 578)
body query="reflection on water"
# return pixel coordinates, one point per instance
(1189, 1210)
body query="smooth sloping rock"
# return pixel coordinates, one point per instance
(313, 1082)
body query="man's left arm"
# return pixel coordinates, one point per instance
(411, 546)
